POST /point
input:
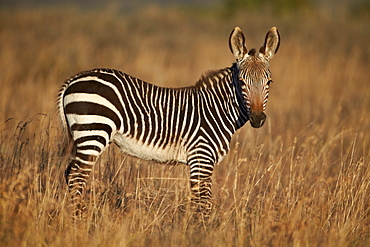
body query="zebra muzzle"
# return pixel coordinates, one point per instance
(257, 119)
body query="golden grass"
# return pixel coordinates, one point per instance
(301, 180)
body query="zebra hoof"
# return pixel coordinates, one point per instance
(202, 208)
(79, 211)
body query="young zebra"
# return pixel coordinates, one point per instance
(191, 125)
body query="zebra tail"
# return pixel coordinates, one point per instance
(66, 139)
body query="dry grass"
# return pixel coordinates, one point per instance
(301, 180)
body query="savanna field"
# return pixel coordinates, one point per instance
(303, 179)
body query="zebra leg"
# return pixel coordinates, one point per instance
(77, 175)
(201, 190)
(201, 184)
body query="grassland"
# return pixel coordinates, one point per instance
(301, 180)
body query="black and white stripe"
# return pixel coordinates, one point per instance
(192, 125)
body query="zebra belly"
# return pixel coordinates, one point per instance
(138, 149)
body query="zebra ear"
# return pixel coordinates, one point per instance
(237, 44)
(272, 43)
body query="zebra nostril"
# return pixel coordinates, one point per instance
(257, 119)
(262, 121)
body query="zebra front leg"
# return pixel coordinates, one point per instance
(201, 190)
(201, 185)
(77, 175)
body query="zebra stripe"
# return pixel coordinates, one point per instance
(192, 125)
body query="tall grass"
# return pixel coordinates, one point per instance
(301, 180)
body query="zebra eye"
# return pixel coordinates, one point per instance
(269, 81)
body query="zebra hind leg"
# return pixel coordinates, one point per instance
(77, 175)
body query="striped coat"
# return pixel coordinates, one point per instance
(192, 125)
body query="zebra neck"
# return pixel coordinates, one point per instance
(225, 84)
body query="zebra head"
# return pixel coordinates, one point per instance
(253, 72)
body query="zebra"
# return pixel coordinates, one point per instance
(191, 125)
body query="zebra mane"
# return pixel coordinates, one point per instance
(213, 77)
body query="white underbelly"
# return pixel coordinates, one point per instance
(136, 148)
